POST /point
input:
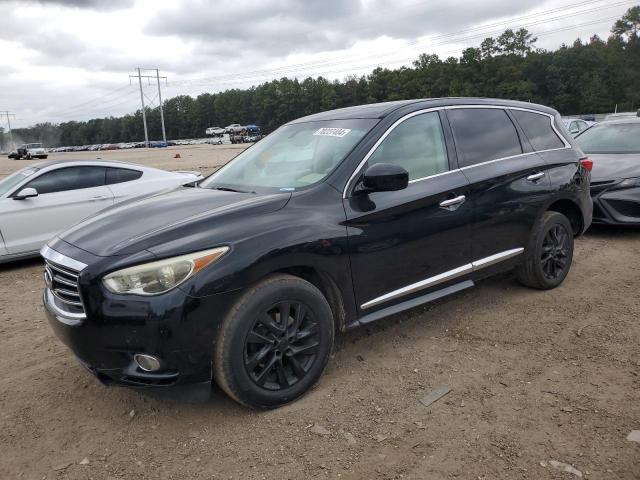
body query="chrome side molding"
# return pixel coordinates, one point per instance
(497, 258)
(444, 277)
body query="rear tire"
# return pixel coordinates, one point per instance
(274, 343)
(548, 257)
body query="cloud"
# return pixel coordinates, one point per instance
(60, 53)
(87, 4)
(277, 28)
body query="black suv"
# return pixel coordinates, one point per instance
(333, 221)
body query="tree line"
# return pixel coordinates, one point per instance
(593, 76)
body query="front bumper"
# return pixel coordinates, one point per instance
(615, 207)
(178, 329)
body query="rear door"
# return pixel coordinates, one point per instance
(406, 243)
(65, 196)
(509, 182)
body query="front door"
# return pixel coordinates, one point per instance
(406, 243)
(65, 196)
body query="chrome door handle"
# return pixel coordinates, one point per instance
(97, 197)
(535, 177)
(453, 203)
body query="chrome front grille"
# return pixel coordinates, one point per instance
(62, 294)
(63, 284)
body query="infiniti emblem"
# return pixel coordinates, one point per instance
(48, 281)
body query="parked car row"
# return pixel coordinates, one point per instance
(234, 129)
(129, 145)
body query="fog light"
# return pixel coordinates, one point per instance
(148, 363)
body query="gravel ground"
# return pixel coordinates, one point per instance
(535, 377)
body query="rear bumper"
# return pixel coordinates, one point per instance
(617, 207)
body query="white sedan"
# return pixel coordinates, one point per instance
(39, 201)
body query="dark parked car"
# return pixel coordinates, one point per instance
(331, 222)
(614, 147)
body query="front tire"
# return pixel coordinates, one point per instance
(274, 343)
(548, 257)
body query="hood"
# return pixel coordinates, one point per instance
(141, 224)
(609, 166)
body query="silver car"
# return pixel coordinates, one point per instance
(39, 201)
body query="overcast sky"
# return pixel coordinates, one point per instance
(71, 59)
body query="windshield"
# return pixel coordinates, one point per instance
(611, 138)
(294, 156)
(7, 183)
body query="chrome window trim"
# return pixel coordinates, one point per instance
(444, 277)
(382, 138)
(434, 175)
(56, 257)
(567, 145)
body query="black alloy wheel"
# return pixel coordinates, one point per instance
(274, 343)
(547, 257)
(281, 346)
(555, 251)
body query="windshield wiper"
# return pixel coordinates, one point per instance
(228, 189)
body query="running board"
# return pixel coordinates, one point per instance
(414, 302)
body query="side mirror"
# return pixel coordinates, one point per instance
(26, 193)
(384, 177)
(574, 130)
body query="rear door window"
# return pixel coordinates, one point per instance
(70, 178)
(483, 134)
(538, 129)
(120, 175)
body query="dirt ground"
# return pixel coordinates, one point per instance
(535, 377)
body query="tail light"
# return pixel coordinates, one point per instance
(587, 163)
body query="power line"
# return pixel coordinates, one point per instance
(107, 94)
(247, 75)
(396, 60)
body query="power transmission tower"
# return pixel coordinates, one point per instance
(157, 76)
(9, 114)
(164, 134)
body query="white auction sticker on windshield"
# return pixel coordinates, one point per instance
(332, 132)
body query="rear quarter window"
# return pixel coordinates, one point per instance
(483, 134)
(538, 129)
(121, 175)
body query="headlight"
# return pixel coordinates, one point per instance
(158, 277)
(629, 183)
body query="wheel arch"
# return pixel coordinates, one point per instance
(572, 211)
(326, 284)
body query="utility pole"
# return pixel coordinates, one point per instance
(144, 115)
(157, 76)
(9, 114)
(164, 134)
